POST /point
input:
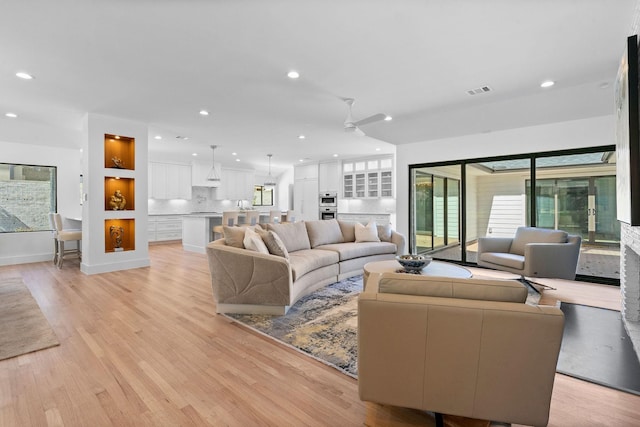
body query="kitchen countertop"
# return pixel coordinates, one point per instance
(364, 213)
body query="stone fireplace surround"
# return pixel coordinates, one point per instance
(630, 281)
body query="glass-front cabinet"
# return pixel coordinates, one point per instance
(371, 178)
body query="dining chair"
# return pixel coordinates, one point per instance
(229, 218)
(61, 236)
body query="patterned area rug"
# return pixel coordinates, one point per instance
(323, 324)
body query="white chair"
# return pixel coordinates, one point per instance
(61, 235)
(229, 218)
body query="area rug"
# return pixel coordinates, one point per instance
(597, 348)
(24, 328)
(322, 325)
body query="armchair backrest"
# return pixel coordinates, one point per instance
(526, 235)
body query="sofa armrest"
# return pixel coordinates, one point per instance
(555, 260)
(399, 240)
(241, 276)
(494, 244)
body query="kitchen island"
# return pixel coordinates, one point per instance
(197, 229)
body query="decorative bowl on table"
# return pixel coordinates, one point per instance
(413, 263)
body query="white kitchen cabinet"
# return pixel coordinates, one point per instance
(237, 184)
(306, 171)
(305, 199)
(199, 173)
(169, 181)
(372, 178)
(329, 177)
(164, 227)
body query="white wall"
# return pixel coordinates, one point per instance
(18, 248)
(589, 132)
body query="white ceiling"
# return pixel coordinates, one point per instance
(161, 61)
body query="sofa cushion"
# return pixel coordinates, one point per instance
(353, 250)
(500, 258)
(367, 233)
(526, 235)
(293, 235)
(384, 232)
(348, 230)
(273, 242)
(323, 232)
(306, 260)
(444, 287)
(254, 242)
(233, 236)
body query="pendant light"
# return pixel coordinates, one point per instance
(269, 183)
(213, 178)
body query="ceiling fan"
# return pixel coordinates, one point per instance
(354, 126)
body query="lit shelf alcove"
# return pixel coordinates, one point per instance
(119, 152)
(119, 235)
(118, 190)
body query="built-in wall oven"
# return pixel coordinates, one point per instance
(328, 205)
(329, 199)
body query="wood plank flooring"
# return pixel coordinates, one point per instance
(144, 347)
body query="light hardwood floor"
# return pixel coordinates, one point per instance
(144, 347)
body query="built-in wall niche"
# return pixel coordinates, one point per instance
(119, 152)
(119, 235)
(119, 194)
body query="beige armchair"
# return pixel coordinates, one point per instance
(465, 347)
(532, 252)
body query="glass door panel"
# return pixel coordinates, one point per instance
(607, 228)
(423, 212)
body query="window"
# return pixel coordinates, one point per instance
(262, 196)
(27, 195)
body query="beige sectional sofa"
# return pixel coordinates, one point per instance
(317, 253)
(467, 347)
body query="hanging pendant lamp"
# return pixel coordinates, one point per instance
(270, 183)
(213, 177)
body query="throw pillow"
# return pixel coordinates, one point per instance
(348, 230)
(274, 243)
(254, 242)
(368, 233)
(233, 236)
(384, 232)
(324, 232)
(293, 235)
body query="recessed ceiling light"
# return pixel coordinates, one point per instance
(194, 154)
(12, 115)
(301, 160)
(377, 149)
(335, 155)
(237, 160)
(25, 76)
(301, 137)
(204, 113)
(293, 74)
(547, 83)
(388, 118)
(234, 154)
(185, 138)
(157, 137)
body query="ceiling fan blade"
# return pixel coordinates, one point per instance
(359, 131)
(371, 119)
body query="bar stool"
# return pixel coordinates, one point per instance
(275, 216)
(291, 216)
(61, 235)
(229, 218)
(252, 218)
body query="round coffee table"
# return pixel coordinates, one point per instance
(435, 268)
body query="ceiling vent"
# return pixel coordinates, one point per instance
(483, 89)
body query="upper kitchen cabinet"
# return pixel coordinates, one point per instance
(169, 181)
(306, 171)
(367, 178)
(199, 173)
(329, 177)
(236, 184)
